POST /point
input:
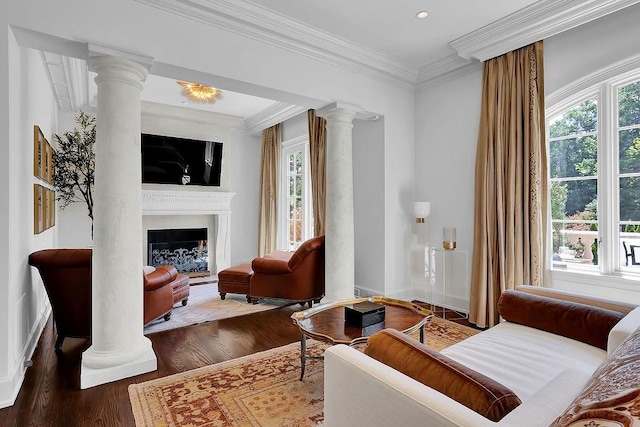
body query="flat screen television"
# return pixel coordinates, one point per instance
(181, 161)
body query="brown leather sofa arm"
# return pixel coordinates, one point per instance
(271, 265)
(159, 277)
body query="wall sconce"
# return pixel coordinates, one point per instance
(449, 238)
(421, 211)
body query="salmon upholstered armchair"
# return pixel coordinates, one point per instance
(296, 276)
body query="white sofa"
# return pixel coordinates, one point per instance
(546, 371)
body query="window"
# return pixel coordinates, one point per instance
(594, 169)
(296, 213)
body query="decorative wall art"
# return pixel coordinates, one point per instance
(44, 198)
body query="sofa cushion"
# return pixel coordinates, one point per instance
(573, 320)
(466, 386)
(612, 393)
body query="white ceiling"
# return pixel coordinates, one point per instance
(167, 91)
(391, 28)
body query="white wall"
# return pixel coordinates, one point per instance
(447, 118)
(24, 300)
(368, 205)
(578, 53)
(245, 178)
(295, 127)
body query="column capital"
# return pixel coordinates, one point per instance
(116, 68)
(339, 109)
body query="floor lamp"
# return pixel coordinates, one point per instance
(420, 249)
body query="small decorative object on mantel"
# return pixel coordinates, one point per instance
(449, 238)
(363, 314)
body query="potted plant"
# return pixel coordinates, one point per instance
(74, 164)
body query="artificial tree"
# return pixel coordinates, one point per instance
(74, 164)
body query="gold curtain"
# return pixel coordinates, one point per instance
(511, 181)
(267, 231)
(318, 160)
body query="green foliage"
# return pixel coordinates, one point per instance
(74, 164)
(558, 200)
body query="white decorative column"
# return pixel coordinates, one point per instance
(339, 232)
(118, 347)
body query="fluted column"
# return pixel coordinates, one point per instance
(118, 348)
(339, 231)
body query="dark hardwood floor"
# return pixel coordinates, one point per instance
(51, 395)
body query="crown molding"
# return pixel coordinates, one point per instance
(276, 113)
(444, 70)
(252, 20)
(538, 21)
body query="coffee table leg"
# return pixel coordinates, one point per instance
(422, 334)
(303, 354)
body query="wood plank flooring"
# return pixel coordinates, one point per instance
(51, 395)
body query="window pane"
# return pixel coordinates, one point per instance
(575, 243)
(630, 198)
(573, 157)
(582, 118)
(559, 192)
(630, 246)
(629, 104)
(582, 199)
(629, 141)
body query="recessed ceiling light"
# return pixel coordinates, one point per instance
(422, 14)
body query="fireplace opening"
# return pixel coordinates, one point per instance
(186, 249)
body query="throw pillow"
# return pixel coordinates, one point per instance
(466, 386)
(573, 320)
(612, 395)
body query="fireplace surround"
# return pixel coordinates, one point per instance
(185, 208)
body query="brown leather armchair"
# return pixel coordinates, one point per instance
(66, 274)
(296, 276)
(158, 293)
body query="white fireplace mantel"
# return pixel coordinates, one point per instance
(193, 202)
(173, 202)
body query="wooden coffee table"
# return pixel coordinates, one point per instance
(325, 322)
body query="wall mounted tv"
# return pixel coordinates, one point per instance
(181, 161)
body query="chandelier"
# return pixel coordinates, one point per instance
(200, 93)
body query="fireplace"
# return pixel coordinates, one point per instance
(186, 249)
(191, 208)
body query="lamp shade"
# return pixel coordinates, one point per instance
(421, 209)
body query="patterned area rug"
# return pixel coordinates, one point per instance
(205, 305)
(261, 389)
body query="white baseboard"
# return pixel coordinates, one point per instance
(10, 386)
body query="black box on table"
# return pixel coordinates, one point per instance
(364, 314)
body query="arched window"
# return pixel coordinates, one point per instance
(594, 179)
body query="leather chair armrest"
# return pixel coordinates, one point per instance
(173, 273)
(270, 266)
(157, 279)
